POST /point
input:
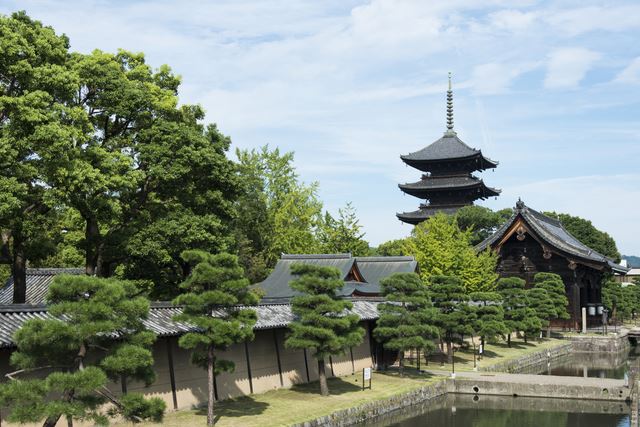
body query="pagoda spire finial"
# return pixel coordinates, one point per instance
(450, 130)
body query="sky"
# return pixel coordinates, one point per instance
(549, 89)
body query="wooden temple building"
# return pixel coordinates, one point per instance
(531, 242)
(447, 183)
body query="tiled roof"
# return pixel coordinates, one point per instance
(449, 147)
(160, 321)
(425, 212)
(38, 281)
(429, 184)
(554, 234)
(371, 269)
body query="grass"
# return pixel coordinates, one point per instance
(300, 403)
(493, 354)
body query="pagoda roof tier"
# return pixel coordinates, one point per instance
(427, 211)
(449, 148)
(551, 234)
(429, 185)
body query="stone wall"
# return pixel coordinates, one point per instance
(596, 343)
(520, 364)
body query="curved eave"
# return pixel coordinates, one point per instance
(424, 192)
(423, 164)
(411, 219)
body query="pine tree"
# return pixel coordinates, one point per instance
(514, 304)
(456, 317)
(96, 334)
(539, 300)
(407, 318)
(489, 324)
(343, 234)
(216, 288)
(323, 323)
(554, 286)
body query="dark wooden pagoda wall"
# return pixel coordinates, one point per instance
(525, 258)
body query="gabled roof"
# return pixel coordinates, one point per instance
(362, 275)
(160, 320)
(38, 281)
(552, 233)
(448, 147)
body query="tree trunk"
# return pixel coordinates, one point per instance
(449, 352)
(324, 387)
(67, 395)
(509, 340)
(92, 238)
(19, 271)
(210, 365)
(401, 357)
(525, 337)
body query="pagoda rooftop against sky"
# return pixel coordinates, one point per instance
(447, 184)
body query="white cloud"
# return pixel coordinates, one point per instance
(494, 78)
(512, 20)
(631, 74)
(612, 17)
(566, 67)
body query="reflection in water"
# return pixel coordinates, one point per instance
(497, 411)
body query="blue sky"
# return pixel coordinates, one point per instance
(549, 89)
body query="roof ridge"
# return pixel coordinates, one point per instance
(51, 271)
(382, 258)
(346, 255)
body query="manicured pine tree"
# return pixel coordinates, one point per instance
(95, 334)
(554, 286)
(489, 324)
(215, 291)
(531, 324)
(456, 317)
(539, 300)
(514, 304)
(323, 322)
(407, 318)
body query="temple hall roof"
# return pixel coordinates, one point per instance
(38, 281)
(448, 147)
(553, 233)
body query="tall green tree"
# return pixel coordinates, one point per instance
(456, 317)
(514, 303)
(612, 297)
(407, 318)
(480, 221)
(553, 284)
(441, 248)
(215, 303)
(277, 213)
(78, 348)
(37, 130)
(543, 306)
(343, 234)
(396, 247)
(323, 323)
(587, 233)
(489, 323)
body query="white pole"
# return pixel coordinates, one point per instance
(584, 320)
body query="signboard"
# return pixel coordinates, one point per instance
(366, 376)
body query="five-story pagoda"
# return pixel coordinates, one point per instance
(447, 183)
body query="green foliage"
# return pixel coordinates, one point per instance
(612, 297)
(407, 318)
(214, 290)
(322, 323)
(489, 323)
(583, 230)
(456, 317)
(553, 284)
(392, 248)
(139, 408)
(480, 221)
(276, 213)
(78, 345)
(514, 300)
(343, 235)
(539, 300)
(441, 248)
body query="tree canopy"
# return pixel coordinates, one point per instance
(514, 303)
(78, 347)
(343, 234)
(441, 248)
(480, 221)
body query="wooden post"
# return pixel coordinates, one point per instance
(172, 374)
(275, 343)
(246, 353)
(306, 364)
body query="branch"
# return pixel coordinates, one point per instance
(10, 375)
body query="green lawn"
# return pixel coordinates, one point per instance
(493, 354)
(301, 403)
